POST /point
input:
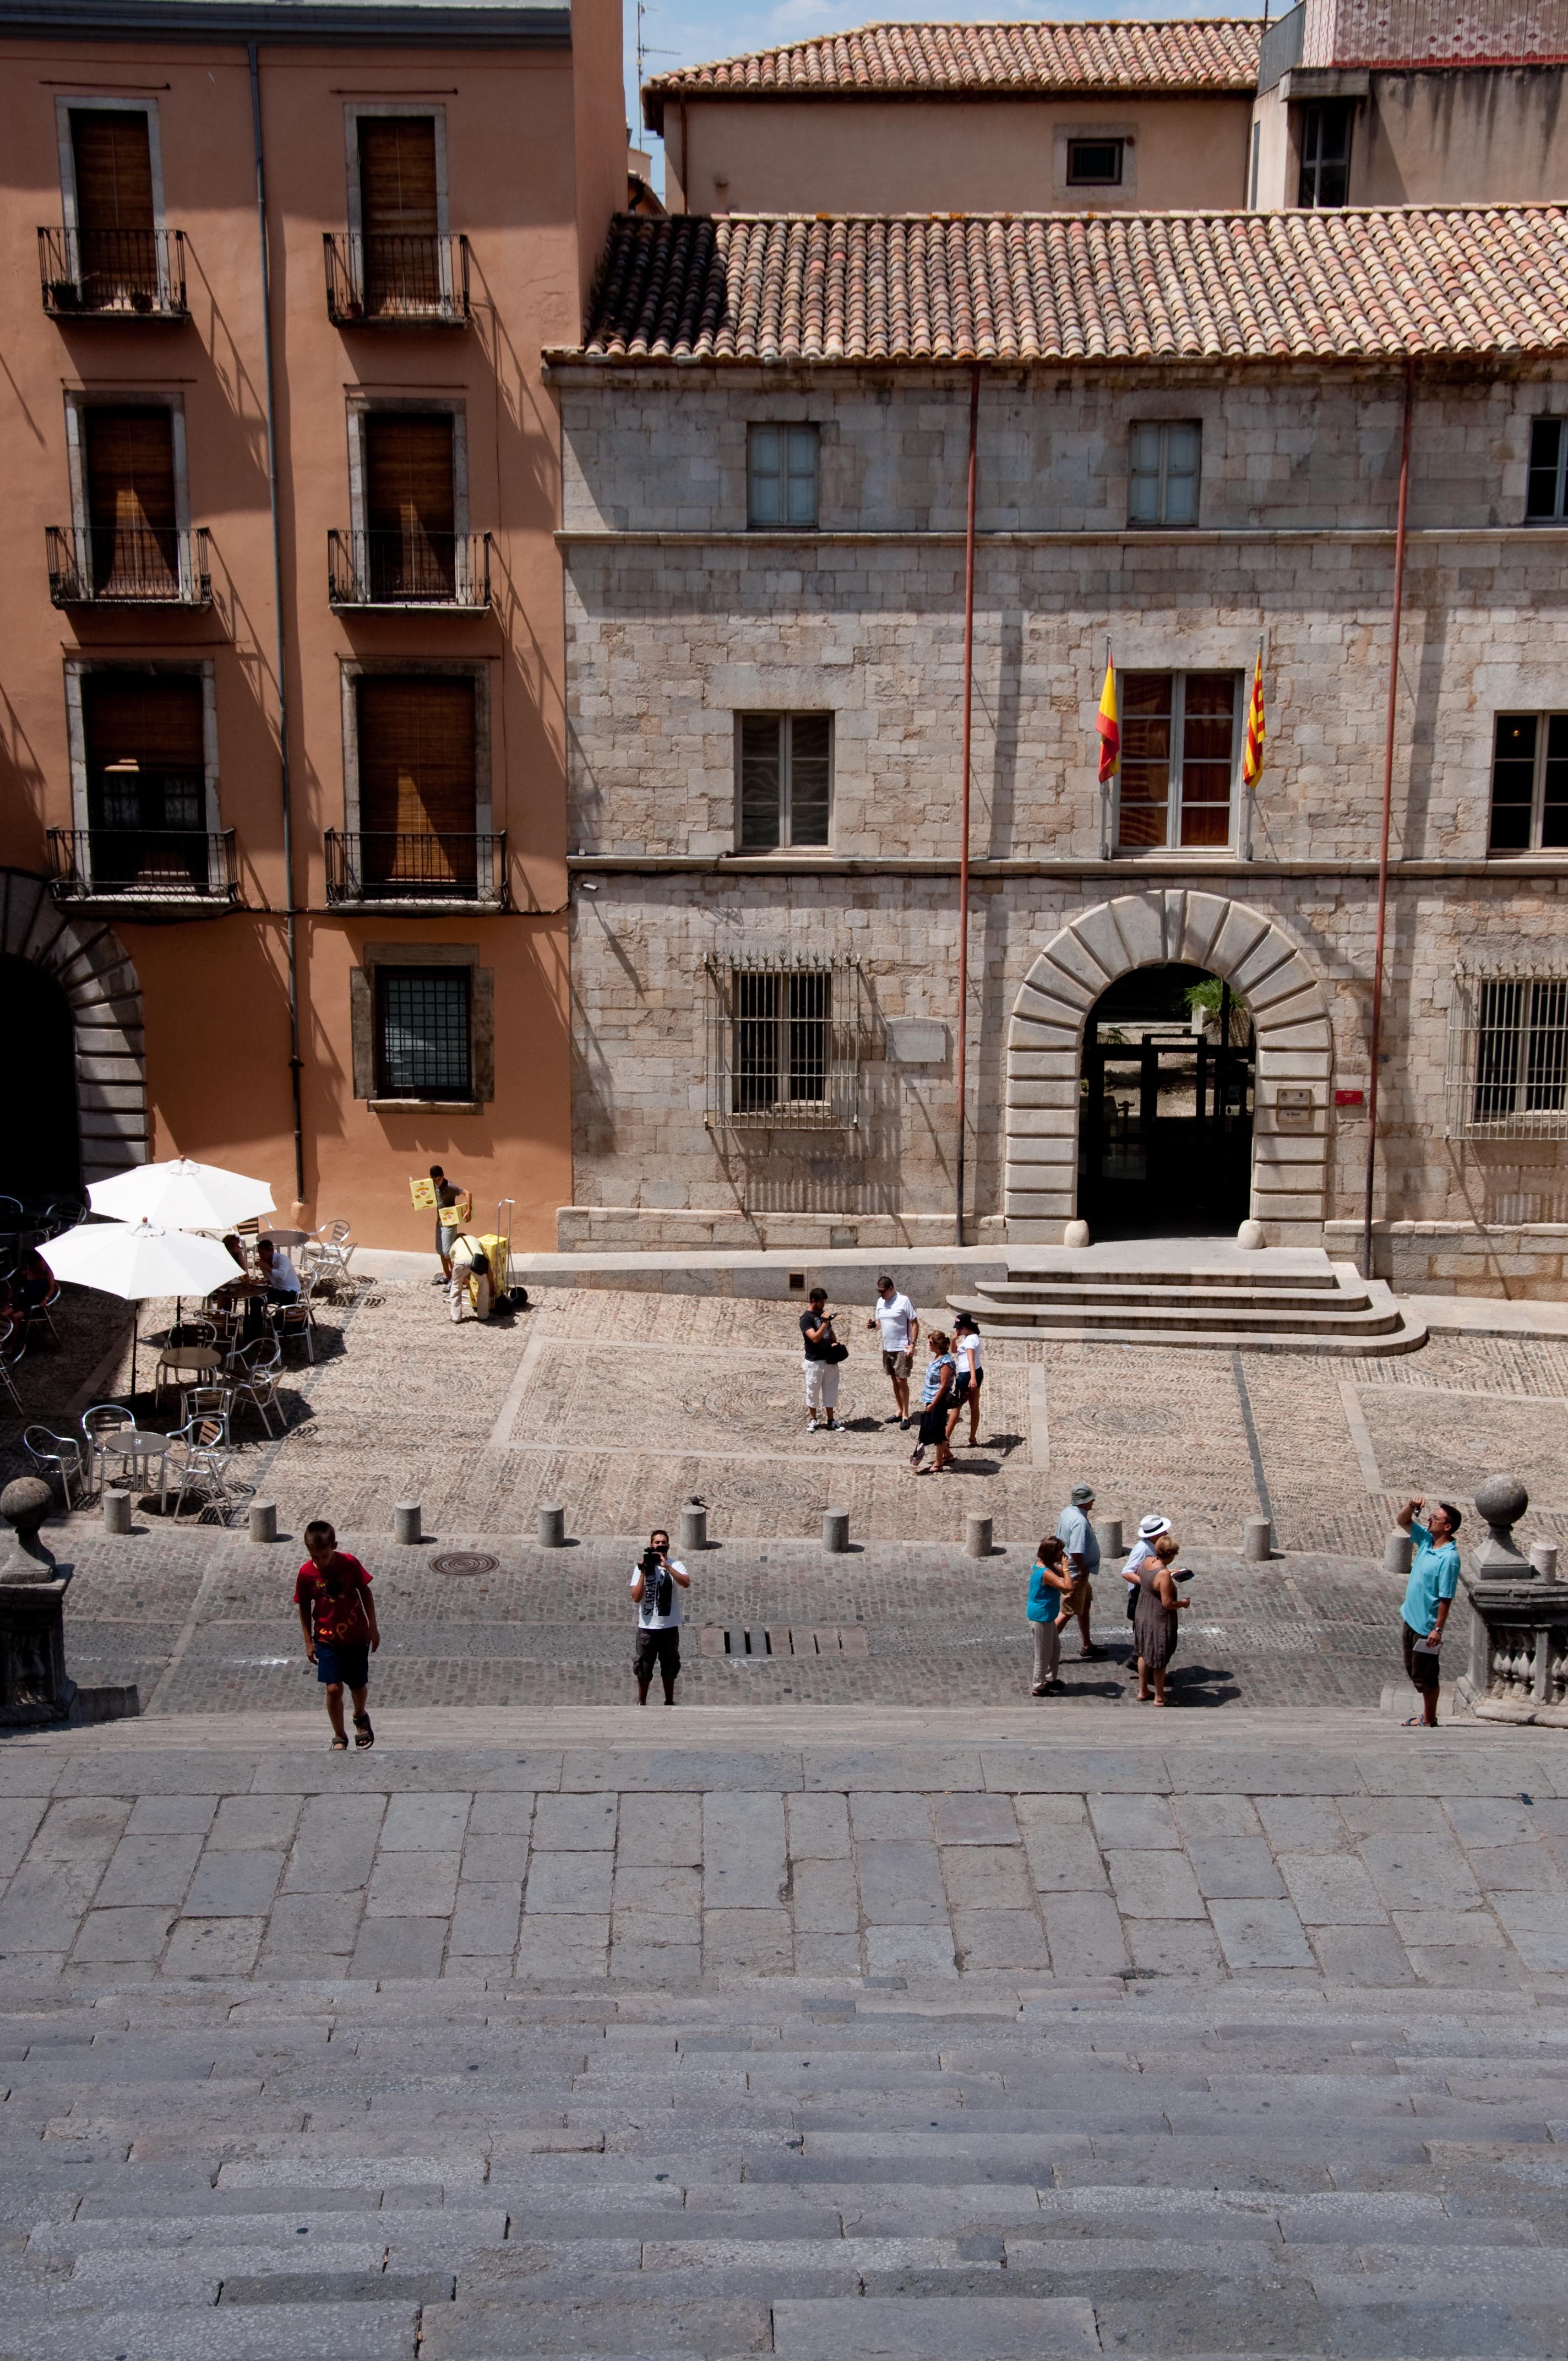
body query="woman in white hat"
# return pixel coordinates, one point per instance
(1141, 1554)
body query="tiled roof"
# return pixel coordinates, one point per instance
(1192, 53)
(1134, 287)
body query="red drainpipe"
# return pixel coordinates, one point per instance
(963, 844)
(1388, 817)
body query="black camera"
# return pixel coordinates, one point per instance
(658, 1583)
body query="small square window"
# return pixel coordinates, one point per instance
(1547, 497)
(1530, 783)
(1095, 163)
(422, 1033)
(786, 764)
(1163, 489)
(781, 476)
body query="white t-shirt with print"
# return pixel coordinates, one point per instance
(646, 1618)
(895, 1319)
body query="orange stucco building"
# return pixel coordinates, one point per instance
(282, 820)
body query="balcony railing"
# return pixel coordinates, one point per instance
(148, 866)
(409, 569)
(434, 865)
(128, 565)
(112, 274)
(387, 279)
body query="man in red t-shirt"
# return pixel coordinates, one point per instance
(337, 1616)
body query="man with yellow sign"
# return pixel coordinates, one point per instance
(452, 1206)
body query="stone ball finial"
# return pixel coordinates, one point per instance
(25, 1503)
(1501, 1500)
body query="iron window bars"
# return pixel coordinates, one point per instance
(422, 1033)
(784, 1043)
(128, 565)
(112, 274)
(409, 569)
(396, 279)
(1508, 1054)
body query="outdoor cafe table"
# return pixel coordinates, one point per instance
(137, 1449)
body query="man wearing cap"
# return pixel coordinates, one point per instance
(1081, 1543)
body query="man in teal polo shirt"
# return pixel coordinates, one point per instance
(1434, 1578)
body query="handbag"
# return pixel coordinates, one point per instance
(838, 1353)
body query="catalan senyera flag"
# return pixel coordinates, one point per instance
(1256, 729)
(1108, 726)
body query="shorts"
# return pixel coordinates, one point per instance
(1081, 1598)
(968, 1387)
(661, 1648)
(347, 1661)
(446, 1238)
(1425, 1670)
(821, 1383)
(896, 1364)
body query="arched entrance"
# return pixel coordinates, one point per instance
(51, 960)
(1166, 1109)
(1292, 1042)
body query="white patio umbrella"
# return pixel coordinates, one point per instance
(181, 1195)
(138, 1260)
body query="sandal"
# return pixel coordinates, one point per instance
(339, 1746)
(363, 1734)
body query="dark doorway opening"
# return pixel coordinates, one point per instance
(41, 1147)
(1164, 1129)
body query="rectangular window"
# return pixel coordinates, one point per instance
(418, 780)
(410, 510)
(781, 475)
(147, 789)
(131, 509)
(1547, 497)
(786, 763)
(1164, 472)
(1325, 154)
(1530, 783)
(1507, 1057)
(111, 155)
(1095, 163)
(1179, 752)
(782, 1040)
(422, 1033)
(400, 212)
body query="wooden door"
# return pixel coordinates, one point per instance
(111, 153)
(399, 213)
(417, 788)
(409, 504)
(130, 502)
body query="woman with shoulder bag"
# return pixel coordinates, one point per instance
(820, 1356)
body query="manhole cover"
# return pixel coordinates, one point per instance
(464, 1561)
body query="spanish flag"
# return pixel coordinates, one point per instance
(1110, 729)
(1256, 731)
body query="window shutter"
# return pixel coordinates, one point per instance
(408, 467)
(114, 169)
(153, 719)
(416, 774)
(397, 175)
(130, 501)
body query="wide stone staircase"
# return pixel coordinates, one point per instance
(827, 2170)
(1202, 1293)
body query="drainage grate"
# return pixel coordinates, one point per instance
(782, 1639)
(464, 1561)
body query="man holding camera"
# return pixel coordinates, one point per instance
(657, 1582)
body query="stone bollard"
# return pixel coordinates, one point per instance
(264, 1521)
(694, 1528)
(116, 1512)
(977, 1535)
(1398, 1552)
(550, 1524)
(1543, 1558)
(1109, 1534)
(406, 1523)
(836, 1531)
(1257, 1540)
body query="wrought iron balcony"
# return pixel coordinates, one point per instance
(112, 274)
(128, 565)
(430, 865)
(409, 569)
(144, 867)
(392, 279)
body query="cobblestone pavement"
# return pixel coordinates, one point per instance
(1349, 1855)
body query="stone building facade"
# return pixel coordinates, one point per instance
(683, 619)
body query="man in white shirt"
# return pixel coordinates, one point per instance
(278, 1276)
(657, 1582)
(894, 1315)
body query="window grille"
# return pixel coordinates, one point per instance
(784, 1039)
(1508, 1055)
(422, 1033)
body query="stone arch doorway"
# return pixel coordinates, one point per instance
(1165, 1107)
(71, 975)
(1289, 1182)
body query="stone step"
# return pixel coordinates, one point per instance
(1405, 1337)
(1171, 1295)
(1253, 1272)
(1196, 1317)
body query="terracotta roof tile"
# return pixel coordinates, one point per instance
(1130, 287)
(1200, 53)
